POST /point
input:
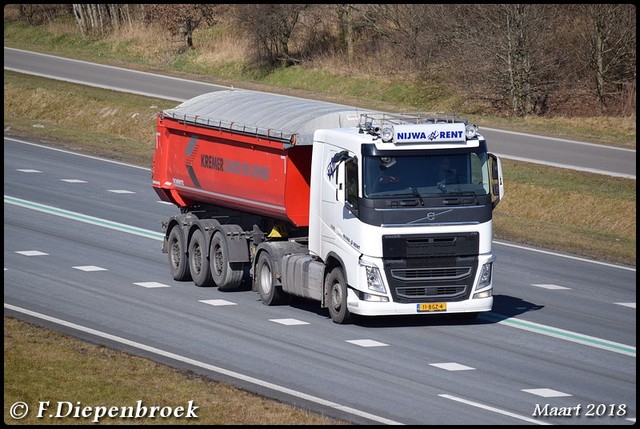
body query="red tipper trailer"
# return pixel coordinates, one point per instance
(203, 155)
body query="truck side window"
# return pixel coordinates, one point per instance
(351, 183)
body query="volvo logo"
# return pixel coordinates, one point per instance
(430, 217)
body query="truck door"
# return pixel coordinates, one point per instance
(338, 202)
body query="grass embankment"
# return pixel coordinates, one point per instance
(44, 365)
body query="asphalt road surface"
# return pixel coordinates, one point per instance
(82, 254)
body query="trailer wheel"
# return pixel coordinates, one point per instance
(336, 286)
(178, 259)
(198, 262)
(225, 274)
(270, 294)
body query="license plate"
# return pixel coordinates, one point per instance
(432, 306)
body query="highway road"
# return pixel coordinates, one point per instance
(82, 255)
(576, 155)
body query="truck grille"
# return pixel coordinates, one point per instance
(430, 268)
(430, 292)
(431, 274)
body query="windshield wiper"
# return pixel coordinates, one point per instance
(417, 194)
(467, 197)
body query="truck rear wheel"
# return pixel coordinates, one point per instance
(336, 287)
(225, 274)
(270, 294)
(178, 259)
(198, 262)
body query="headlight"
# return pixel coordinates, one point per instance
(374, 279)
(386, 134)
(471, 131)
(485, 275)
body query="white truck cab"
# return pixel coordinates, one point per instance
(401, 207)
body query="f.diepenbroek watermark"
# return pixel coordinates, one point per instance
(96, 413)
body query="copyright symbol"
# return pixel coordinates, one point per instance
(19, 410)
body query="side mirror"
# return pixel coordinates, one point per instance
(497, 182)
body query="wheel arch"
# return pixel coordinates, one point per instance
(172, 223)
(187, 224)
(277, 250)
(236, 239)
(207, 226)
(333, 260)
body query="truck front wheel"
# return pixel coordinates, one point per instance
(178, 260)
(198, 262)
(270, 294)
(336, 287)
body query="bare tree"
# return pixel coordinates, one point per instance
(507, 51)
(409, 29)
(610, 40)
(36, 14)
(102, 19)
(181, 19)
(314, 36)
(270, 26)
(345, 30)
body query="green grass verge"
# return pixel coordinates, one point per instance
(43, 365)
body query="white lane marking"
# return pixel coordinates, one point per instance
(289, 322)
(151, 285)
(627, 304)
(217, 302)
(568, 166)
(560, 255)
(546, 393)
(550, 286)
(494, 409)
(452, 366)
(90, 268)
(120, 191)
(367, 343)
(31, 253)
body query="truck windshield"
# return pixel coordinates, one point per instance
(427, 176)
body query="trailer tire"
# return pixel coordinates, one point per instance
(225, 274)
(336, 287)
(270, 292)
(178, 259)
(198, 261)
